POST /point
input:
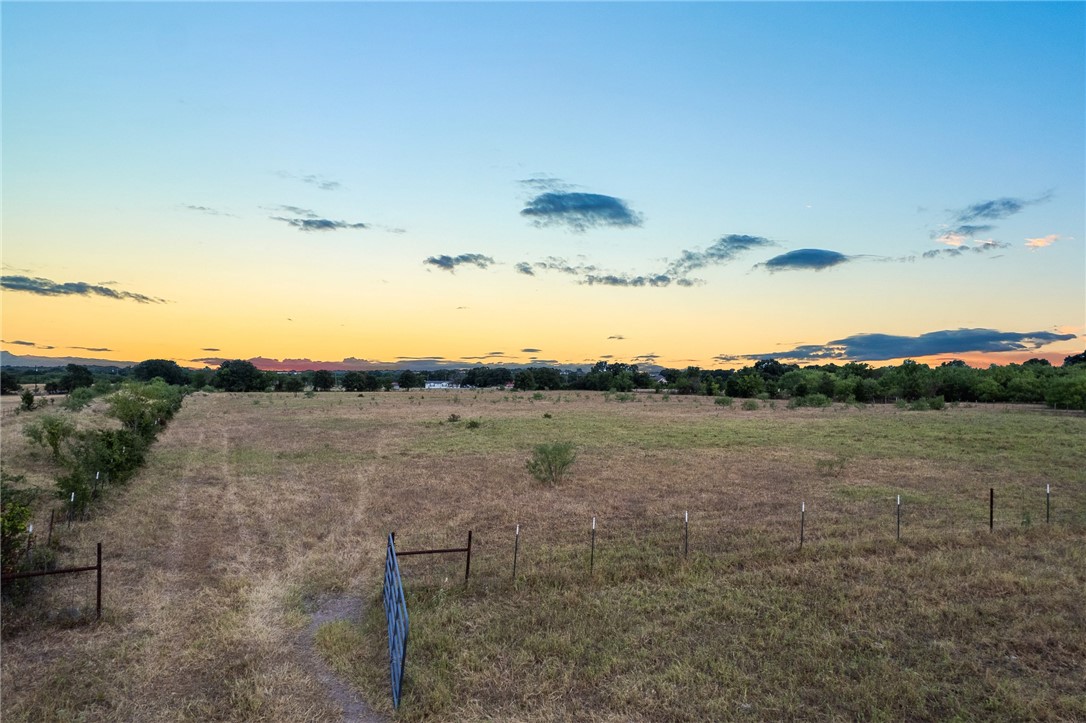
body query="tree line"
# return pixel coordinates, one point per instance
(1034, 381)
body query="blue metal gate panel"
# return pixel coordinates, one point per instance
(398, 624)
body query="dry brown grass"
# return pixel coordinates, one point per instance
(253, 508)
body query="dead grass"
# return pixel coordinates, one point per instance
(248, 512)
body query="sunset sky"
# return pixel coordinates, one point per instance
(450, 183)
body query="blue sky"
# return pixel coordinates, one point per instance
(384, 180)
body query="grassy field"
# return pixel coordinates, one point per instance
(259, 513)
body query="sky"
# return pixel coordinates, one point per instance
(442, 184)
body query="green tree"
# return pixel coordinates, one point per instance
(524, 380)
(323, 380)
(15, 515)
(9, 382)
(238, 375)
(76, 376)
(164, 369)
(411, 380)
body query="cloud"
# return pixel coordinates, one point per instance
(995, 209)
(881, 347)
(207, 210)
(210, 348)
(313, 179)
(46, 287)
(806, 259)
(530, 351)
(542, 183)
(723, 250)
(955, 251)
(961, 234)
(645, 358)
(449, 263)
(580, 211)
(322, 183)
(89, 348)
(1040, 243)
(617, 337)
(20, 342)
(306, 220)
(553, 263)
(626, 280)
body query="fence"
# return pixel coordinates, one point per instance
(97, 567)
(398, 622)
(619, 542)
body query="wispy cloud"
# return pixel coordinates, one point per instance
(207, 210)
(558, 265)
(1043, 241)
(580, 211)
(721, 251)
(89, 348)
(530, 351)
(210, 348)
(449, 263)
(805, 259)
(312, 179)
(616, 337)
(881, 347)
(46, 287)
(305, 219)
(19, 342)
(964, 222)
(645, 358)
(954, 251)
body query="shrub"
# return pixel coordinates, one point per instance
(50, 431)
(750, 404)
(454, 418)
(15, 515)
(79, 398)
(27, 400)
(474, 424)
(724, 401)
(550, 462)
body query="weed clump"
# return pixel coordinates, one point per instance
(550, 462)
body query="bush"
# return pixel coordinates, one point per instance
(926, 403)
(50, 431)
(550, 462)
(79, 398)
(750, 405)
(454, 418)
(27, 398)
(723, 401)
(474, 424)
(810, 400)
(15, 515)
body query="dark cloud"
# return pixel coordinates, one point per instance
(995, 209)
(646, 358)
(809, 259)
(626, 280)
(617, 337)
(543, 183)
(209, 360)
(881, 347)
(45, 287)
(20, 342)
(955, 251)
(449, 263)
(530, 351)
(89, 348)
(319, 224)
(723, 250)
(580, 211)
(210, 348)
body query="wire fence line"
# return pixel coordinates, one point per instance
(761, 529)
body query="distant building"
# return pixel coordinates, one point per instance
(442, 385)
